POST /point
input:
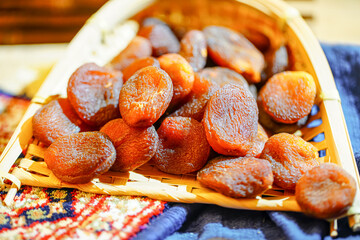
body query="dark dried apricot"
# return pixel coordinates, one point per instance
(181, 74)
(80, 157)
(93, 91)
(139, 47)
(200, 94)
(182, 147)
(277, 61)
(139, 64)
(56, 119)
(231, 120)
(237, 177)
(288, 96)
(231, 49)
(161, 37)
(277, 127)
(193, 49)
(326, 191)
(290, 157)
(134, 146)
(258, 144)
(145, 97)
(222, 76)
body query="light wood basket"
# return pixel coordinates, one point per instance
(110, 30)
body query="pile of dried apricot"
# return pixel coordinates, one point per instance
(162, 100)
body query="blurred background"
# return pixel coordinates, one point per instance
(35, 33)
(57, 21)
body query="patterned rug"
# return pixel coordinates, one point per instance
(44, 213)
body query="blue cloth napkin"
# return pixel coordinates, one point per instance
(199, 221)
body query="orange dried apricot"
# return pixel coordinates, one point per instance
(288, 96)
(181, 74)
(134, 146)
(231, 49)
(56, 119)
(80, 157)
(138, 64)
(277, 127)
(326, 191)
(200, 94)
(231, 120)
(259, 143)
(193, 49)
(161, 37)
(145, 97)
(237, 177)
(290, 157)
(139, 47)
(222, 76)
(93, 91)
(182, 147)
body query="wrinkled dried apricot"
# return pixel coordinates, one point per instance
(288, 96)
(181, 74)
(161, 37)
(93, 91)
(139, 47)
(222, 76)
(259, 143)
(182, 147)
(56, 119)
(231, 120)
(290, 157)
(231, 49)
(200, 94)
(138, 64)
(237, 177)
(326, 191)
(80, 157)
(193, 49)
(134, 146)
(277, 127)
(145, 97)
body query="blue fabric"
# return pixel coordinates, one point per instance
(197, 221)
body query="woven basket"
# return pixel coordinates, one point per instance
(110, 30)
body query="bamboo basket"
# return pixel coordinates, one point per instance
(110, 30)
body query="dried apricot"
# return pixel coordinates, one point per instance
(222, 76)
(237, 177)
(181, 74)
(139, 47)
(145, 97)
(94, 91)
(325, 191)
(288, 96)
(231, 120)
(193, 49)
(290, 157)
(277, 61)
(182, 147)
(258, 144)
(277, 127)
(56, 119)
(161, 37)
(231, 49)
(200, 94)
(138, 64)
(134, 146)
(80, 157)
